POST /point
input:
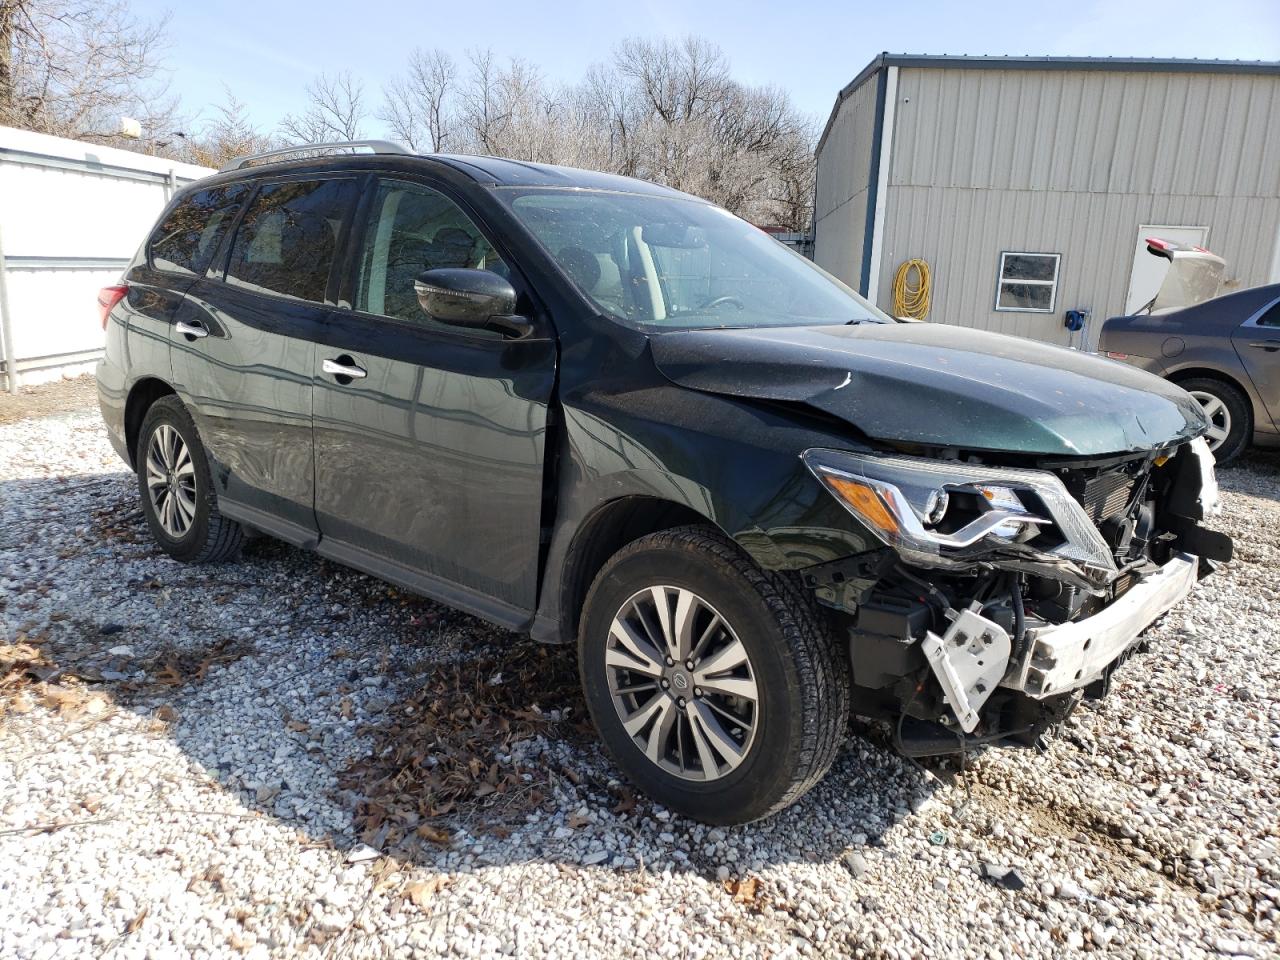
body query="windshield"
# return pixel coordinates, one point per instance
(664, 263)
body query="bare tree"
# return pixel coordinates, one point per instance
(227, 135)
(336, 111)
(73, 69)
(418, 106)
(664, 110)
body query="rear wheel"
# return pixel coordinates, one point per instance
(1227, 409)
(714, 684)
(177, 488)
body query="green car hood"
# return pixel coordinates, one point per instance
(940, 386)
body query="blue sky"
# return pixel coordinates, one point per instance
(266, 52)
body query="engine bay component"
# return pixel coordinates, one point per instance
(969, 661)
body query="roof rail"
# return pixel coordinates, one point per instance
(374, 146)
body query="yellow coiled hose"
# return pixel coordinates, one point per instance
(912, 290)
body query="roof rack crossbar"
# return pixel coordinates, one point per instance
(373, 146)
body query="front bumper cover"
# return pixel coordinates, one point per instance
(1069, 656)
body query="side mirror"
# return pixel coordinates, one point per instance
(476, 299)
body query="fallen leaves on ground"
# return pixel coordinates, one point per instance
(447, 749)
(22, 665)
(427, 832)
(744, 890)
(420, 892)
(72, 702)
(177, 668)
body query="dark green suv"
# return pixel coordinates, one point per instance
(604, 412)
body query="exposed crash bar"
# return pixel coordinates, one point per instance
(1072, 655)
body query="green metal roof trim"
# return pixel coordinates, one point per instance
(1115, 64)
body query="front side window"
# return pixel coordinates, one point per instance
(288, 236)
(413, 228)
(185, 241)
(661, 263)
(1028, 282)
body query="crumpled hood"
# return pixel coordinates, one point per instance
(940, 386)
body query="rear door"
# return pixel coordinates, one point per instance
(175, 256)
(244, 349)
(1257, 341)
(429, 460)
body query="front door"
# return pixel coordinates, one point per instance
(430, 439)
(244, 349)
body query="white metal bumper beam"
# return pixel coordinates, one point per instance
(1072, 655)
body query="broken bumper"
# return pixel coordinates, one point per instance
(1072, 655)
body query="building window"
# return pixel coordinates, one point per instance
(1028, 282)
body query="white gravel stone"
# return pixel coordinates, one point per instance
(213, 809)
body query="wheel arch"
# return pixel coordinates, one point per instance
(602, 533)
(142, 395)
(1207, 373)
(1253, 405)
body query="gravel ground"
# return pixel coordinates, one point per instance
(45, 399)
(196, 776)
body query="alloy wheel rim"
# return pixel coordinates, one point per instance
(1219, 417)
(682, 683)
(171, 481)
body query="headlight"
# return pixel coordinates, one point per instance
(937, 512)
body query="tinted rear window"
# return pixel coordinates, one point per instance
(188, 237)
(288, 237)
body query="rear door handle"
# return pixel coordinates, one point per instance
(193, 329)
(1266, 344)
(344, 366)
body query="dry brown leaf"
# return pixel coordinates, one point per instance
(427, 832)
(576, 820)
(170, 676)
(420, 892)
(297, 726)
(346, 708)
(166, 714)
(745, 890)
(133, 925)
(241, 942)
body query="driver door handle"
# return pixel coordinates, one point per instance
(344, 366)
(193, 329)
(1266, 344)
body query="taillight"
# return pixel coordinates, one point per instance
(108, 297)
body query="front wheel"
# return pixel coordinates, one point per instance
(715, 685)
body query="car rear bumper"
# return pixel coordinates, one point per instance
(1069, 656)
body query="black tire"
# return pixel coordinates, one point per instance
(800, 673)
(211, 537)
(1238, 408)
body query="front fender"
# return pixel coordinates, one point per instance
(732, 462)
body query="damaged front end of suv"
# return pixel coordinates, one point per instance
(1003, 594)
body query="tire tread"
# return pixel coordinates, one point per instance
(821, 668)
(223, 536)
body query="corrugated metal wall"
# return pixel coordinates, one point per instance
(840, 202)
(72, 215)
(1066, 162)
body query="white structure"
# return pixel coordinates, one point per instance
(72, 215)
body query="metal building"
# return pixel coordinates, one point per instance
(1028, 183)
